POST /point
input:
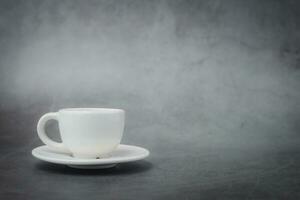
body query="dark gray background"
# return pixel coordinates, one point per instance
(211, 88)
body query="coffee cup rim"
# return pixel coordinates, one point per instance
(92, 110)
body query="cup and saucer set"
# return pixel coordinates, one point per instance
(91, 139)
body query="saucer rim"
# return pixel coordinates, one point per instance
(79, 161)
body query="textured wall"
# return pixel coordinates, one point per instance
(193, 76)
(193, 67)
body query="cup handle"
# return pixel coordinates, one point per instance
(43, 135)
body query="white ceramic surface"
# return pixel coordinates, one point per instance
(85, 132)
(123, 153)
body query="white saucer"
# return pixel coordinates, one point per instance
(124, 153)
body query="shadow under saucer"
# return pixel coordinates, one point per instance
(119, 169)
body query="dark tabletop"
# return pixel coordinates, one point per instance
(237, 168)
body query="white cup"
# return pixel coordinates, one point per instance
(85, 132)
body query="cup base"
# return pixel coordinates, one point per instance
(80, 156)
